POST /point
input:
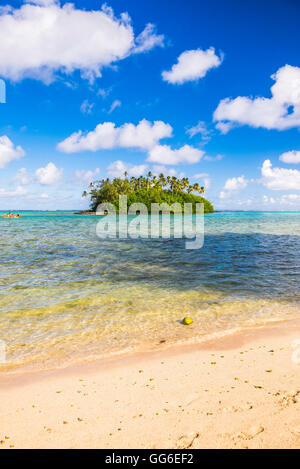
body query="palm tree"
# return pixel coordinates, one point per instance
(148, 183)
(84, 194)
(181, 184)
(178, 185)
(162, 180)
(132, 183)
(139, 182)
(173, 181)
(196, 187)
(185, 183)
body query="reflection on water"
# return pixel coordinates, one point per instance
(66, 295)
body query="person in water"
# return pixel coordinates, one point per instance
(12, 215)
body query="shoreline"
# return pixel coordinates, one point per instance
(212, 340)
(227, 393)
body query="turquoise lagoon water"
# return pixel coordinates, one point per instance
(66, 295)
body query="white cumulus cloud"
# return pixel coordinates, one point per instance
(22, 177)
(286, 201)
(166, 155)
(8, 151)
(118, 168)
(19, 191)
(158, 169)
(86, 175)
(107, 136)
(268, 200)
(48, 175)
(42, 38)
(290, 157)
(192, 65)
(280, 112)
(290, 200)
(233, 185)
(279, 178)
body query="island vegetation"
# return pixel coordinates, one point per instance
(147, 190)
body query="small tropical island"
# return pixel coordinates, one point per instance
(146, 190)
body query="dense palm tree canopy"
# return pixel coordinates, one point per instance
(147, 190)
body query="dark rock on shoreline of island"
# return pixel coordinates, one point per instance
(85, 212)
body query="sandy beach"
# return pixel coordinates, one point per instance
(241, 391)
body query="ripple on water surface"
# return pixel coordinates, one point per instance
(65, 295)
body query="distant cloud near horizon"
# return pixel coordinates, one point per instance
(280, 112)
(43, 38)
(278, 179)
(18, 192)
(192, 65)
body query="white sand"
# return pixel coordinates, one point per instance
(238, 392)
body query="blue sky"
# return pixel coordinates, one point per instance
(71, 69)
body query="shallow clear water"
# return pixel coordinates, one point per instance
(67, 295)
